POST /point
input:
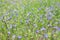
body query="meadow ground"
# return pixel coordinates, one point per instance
(29, 19)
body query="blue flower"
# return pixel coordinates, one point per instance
(43, 29)
(46, 35)
(19, 37)
(37, 31)
(29, 13)
(58, 29)
(16, 14)
(8, 33)
(49, 15)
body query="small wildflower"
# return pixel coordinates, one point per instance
(55, 27)
(46, 35)
(32, 8)
(28, 13)
(37, 31)
(9, 18)
(49, 15)
(43, 29)
(19, 37)
(39, 9)
(8, 33)
(58, 29)
(16, 14)
(27, 21)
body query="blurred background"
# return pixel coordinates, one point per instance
(29, 19)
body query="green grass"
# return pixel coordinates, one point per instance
(32, 11)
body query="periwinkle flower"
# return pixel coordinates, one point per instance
(27, 21)
(39, 9)
(49, 18)
(56, 27)
(51, 8)
(9, 18)
(19, 37)
(41, 16)
(32, 8)
(37, 31)
(49, 15)
(42, 29)
(8, 32)
(16, 14)
(46, 35)
(28, 13)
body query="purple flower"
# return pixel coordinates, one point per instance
(32, 8)
(28, 13)
(58, 29)
(16, 14)
(37, 31)
(49, 15)
(9, 18)
(55, 27)
(8, 33)
(46, 35)
(51, 8)
(19, 37)
(27, 21)
(39, 9)
(43, 29)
